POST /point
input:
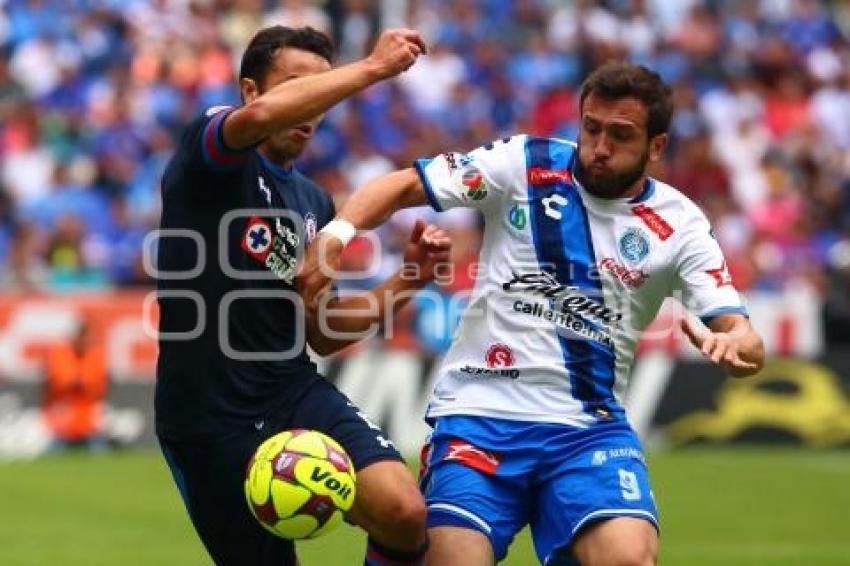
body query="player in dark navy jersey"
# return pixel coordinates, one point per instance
(233, 368)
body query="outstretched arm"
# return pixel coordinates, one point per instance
(339, 322)
(301, 99)
(730, 341)
(367, 208)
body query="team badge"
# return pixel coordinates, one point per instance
(499, 356)
(310, 226)
(634, 245)
(257, 238)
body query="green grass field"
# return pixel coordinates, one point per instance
(730, 507)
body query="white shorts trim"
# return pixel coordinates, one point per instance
(463, 513)
(616, 513)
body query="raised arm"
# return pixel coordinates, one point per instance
(301, 99)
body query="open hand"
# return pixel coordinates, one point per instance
(722, 348)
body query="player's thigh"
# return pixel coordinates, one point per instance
(463, 491)
(605, 477)
(326, 409)
(210, 477)
(454, 546)
(617, 541)
(386, 490)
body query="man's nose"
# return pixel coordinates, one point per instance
(602, 147)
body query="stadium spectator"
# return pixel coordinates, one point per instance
(113, 83)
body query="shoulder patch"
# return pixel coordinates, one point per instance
(654, 221)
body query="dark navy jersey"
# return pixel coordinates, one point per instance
(232, 338)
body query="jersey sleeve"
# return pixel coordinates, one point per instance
(703, 276)
(479, 179)
(203, 147)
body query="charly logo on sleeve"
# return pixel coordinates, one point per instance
(634, 245)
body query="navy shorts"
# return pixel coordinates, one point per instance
(210, 475)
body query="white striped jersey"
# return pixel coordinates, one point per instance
(566, 282)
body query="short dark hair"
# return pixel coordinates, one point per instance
(618, 79)
(260, 52)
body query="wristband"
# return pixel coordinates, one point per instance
(343, 230)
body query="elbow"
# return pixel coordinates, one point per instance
(256, 117)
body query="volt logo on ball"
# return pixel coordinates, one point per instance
(324, 477)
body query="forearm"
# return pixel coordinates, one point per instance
(377, 200)
(749, 344)
(296, 101)
(340, 322)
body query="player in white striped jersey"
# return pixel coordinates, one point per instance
(580, 249)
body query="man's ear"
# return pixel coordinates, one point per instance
(249, 90)
(656, 147)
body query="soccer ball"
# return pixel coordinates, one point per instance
(299, 484)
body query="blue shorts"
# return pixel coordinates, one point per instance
(498, 475)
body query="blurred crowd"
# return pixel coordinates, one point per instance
(93, 94)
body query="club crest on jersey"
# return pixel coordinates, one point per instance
(518, 217)
(257, 238)
(634, 245)
(499, 356)
(276, 249)
(473, 457)
(310, 226)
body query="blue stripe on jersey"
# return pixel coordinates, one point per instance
(564, 248)
(420, 165)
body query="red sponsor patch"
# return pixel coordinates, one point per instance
(632, 278)
(499, 356)
(257, 238)
(653, 221)
(720, 275)
(472, 456)
(540, 176)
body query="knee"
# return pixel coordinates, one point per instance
(408, 512)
